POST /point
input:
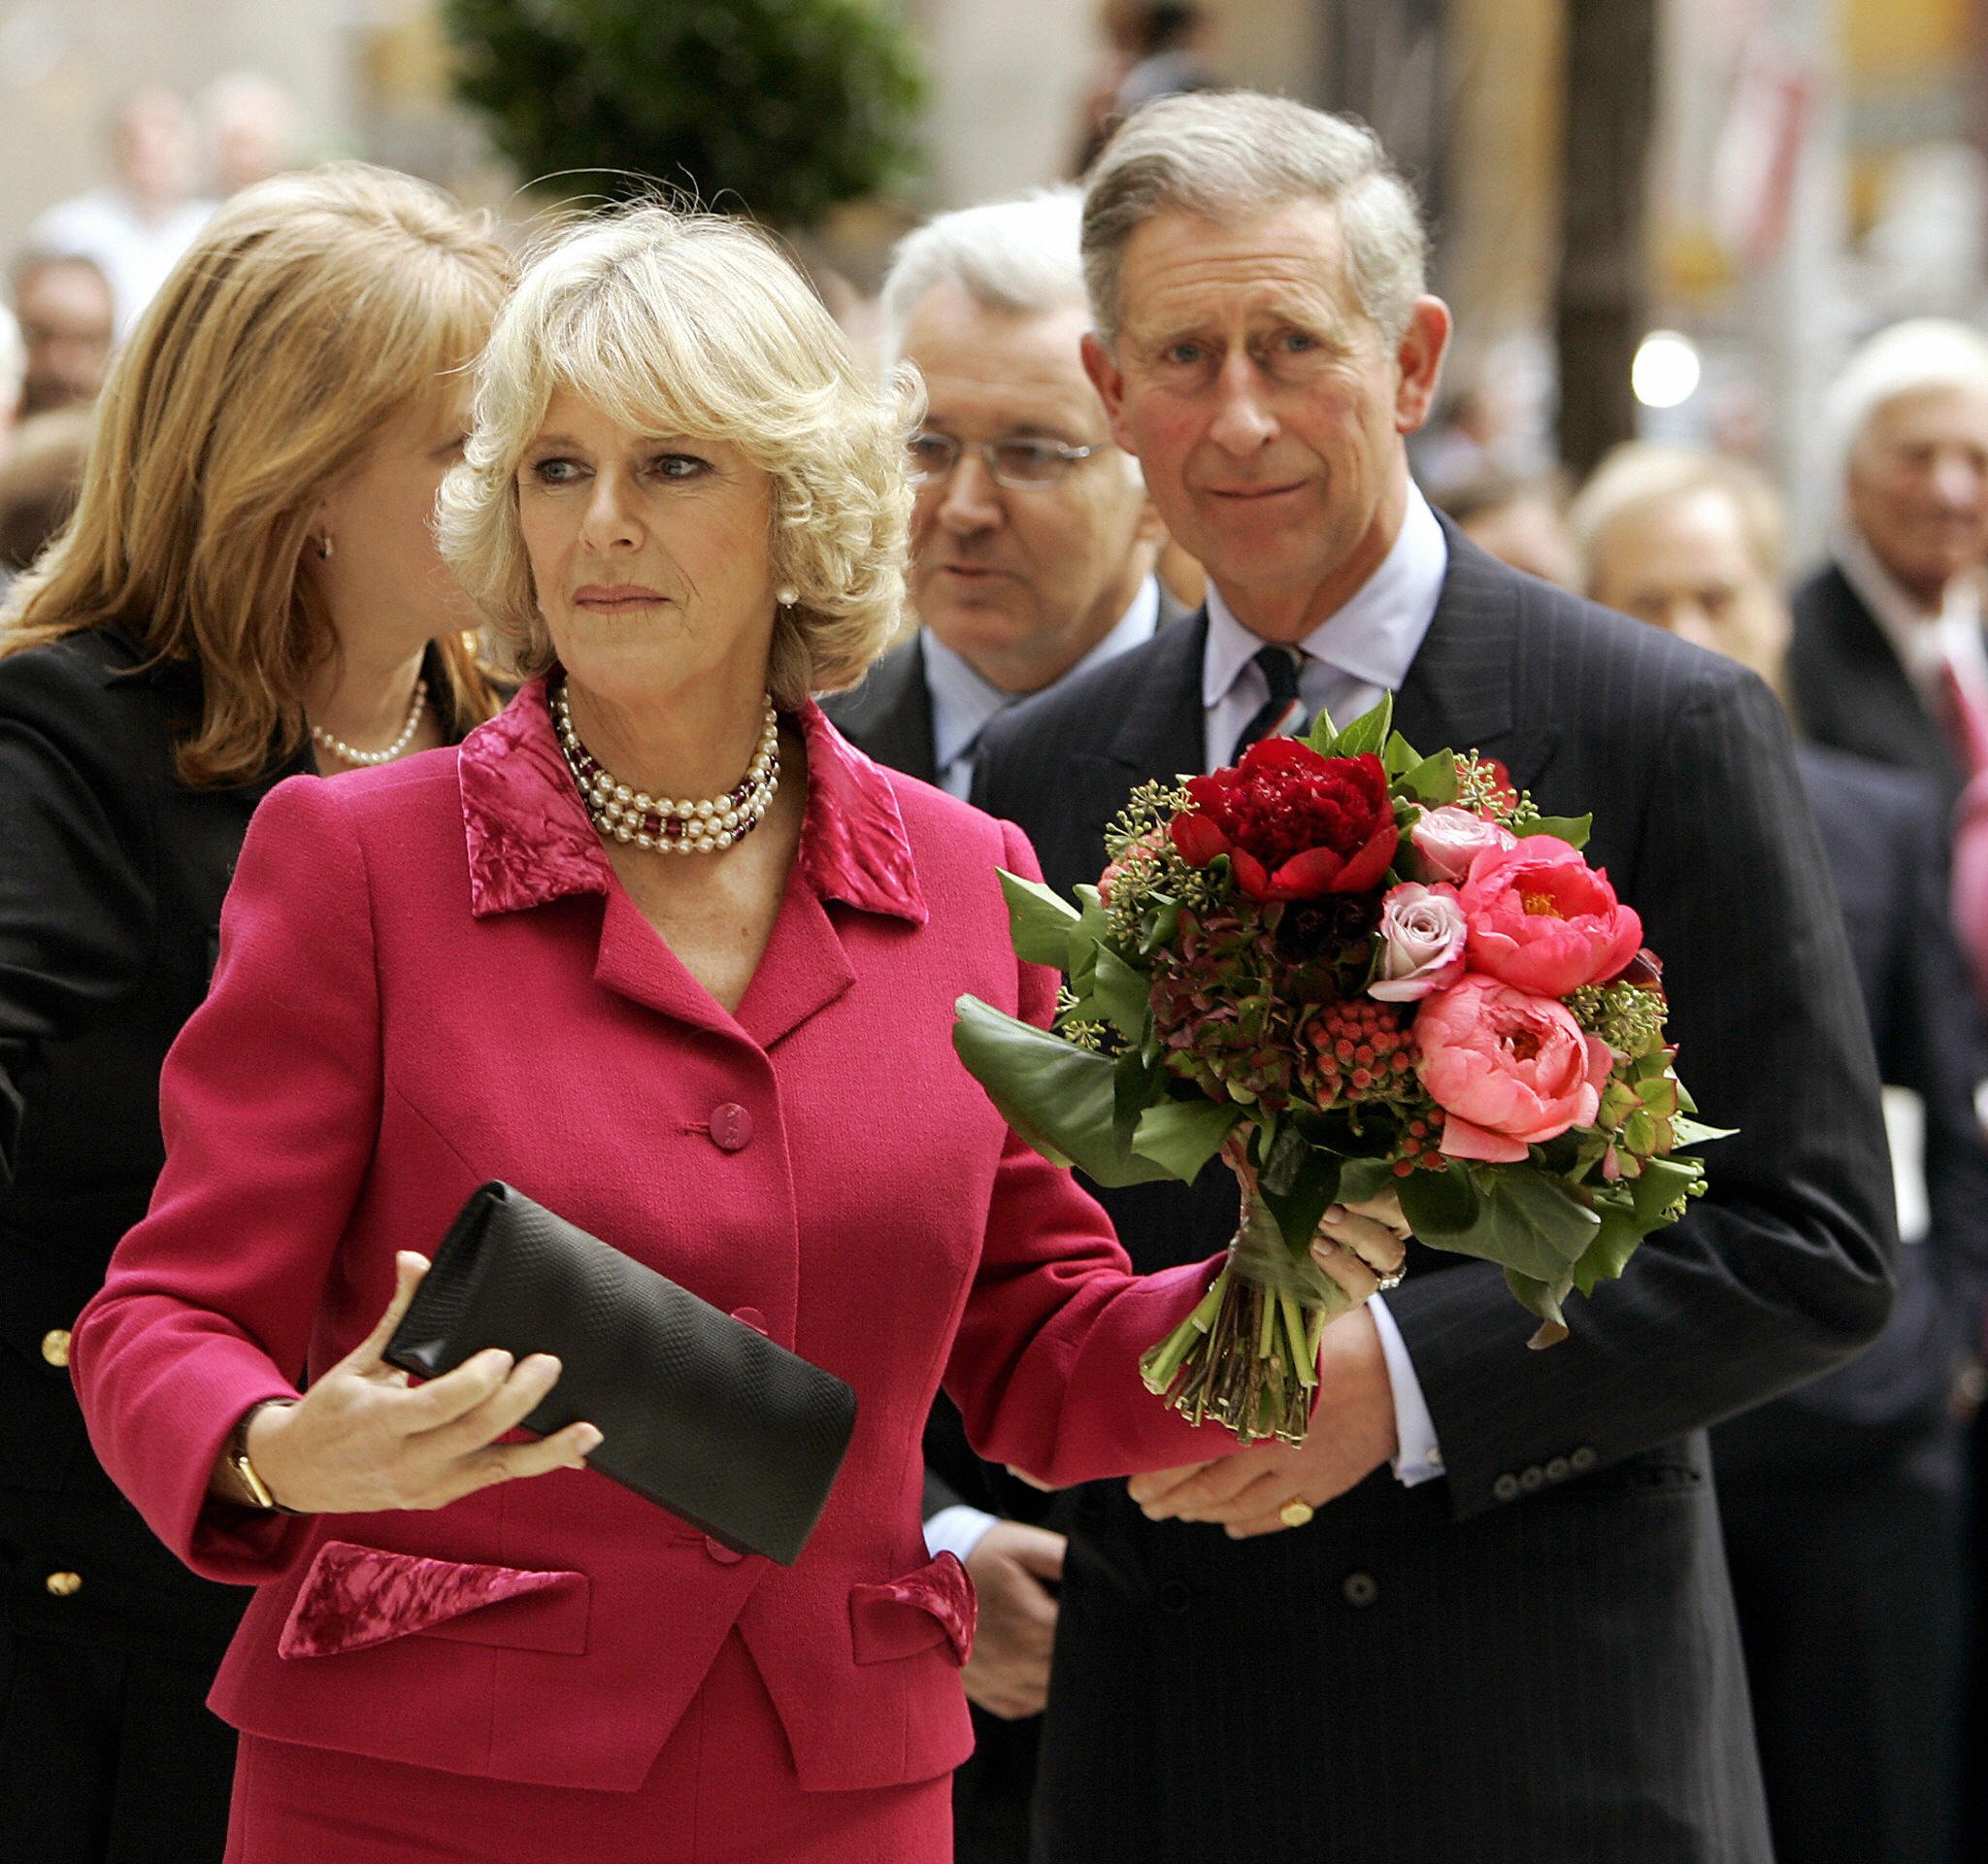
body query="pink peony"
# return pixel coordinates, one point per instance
(1422, 935)
(1543, 920)
(1509, 1069)
(1448, 840)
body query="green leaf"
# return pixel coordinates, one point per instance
(1278, 1163)
(1166, 922)
(1433, 781)
(1121, 993)
(1689, 1132)
(1183, 1135)
(1315, 1187)
(1363, 1178)
(1136, 1083)
(1399, 757)
(1367, 733)
(1442, 1203)
(1062, 1100)
(1039, 921)
(1660, 1185)
(1324, 735)
(1608, 1256)
(1571, 829)
(1525, 1222)
(1543, 1298)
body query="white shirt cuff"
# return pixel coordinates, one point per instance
(1420, 1457)
(957, 1531)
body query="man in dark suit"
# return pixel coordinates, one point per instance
(1034, 547)
(1843, 1502)
(1888, 659)
(1033, 541)
(1507, 1633)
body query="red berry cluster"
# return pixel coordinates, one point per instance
(1422, 1144)
(1360, 1050)
(1360, 1053)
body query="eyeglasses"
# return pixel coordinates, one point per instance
(1025, 465)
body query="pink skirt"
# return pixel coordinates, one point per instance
(723, 1791)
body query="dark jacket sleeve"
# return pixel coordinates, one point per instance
(78, 883)
(1784, 1269)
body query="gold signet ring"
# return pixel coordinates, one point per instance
(1295, 1513)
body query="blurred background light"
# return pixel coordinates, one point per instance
(1665, 371)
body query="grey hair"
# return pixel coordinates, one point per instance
(1902, 359)
(1226, 156)
(1018, 255)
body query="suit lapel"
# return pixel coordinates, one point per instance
(1462, 689)
(889, 716)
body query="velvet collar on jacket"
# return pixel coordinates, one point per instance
(530, 840)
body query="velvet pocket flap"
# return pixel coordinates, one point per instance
(903, 1617)
(354, 1597)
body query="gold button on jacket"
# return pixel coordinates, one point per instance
(55, 1345)
(64, 1584)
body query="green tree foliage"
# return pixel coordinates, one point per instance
(781, 107)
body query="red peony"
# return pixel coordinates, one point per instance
(1293, 824)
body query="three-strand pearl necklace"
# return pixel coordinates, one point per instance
(368, 758)
(627, 815)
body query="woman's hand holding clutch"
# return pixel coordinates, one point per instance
(362, 1439)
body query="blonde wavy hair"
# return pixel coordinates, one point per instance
(678, 322)
(311, 310)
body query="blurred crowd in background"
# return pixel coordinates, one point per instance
(1797, 478)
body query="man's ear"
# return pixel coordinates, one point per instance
(1418, 357)
(1109, 379)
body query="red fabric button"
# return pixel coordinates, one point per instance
(720, 1552)
(730, 1127)
(751, 1317)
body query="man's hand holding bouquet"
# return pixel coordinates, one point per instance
(1379, 986)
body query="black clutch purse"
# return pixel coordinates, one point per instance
(697, 1412)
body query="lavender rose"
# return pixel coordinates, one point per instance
(1422, 935)
(1448, 840)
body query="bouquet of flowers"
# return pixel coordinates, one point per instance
(1365, 978)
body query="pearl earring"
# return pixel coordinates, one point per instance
(786, 597)
(324, 548)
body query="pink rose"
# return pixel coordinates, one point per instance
(1448, 840)
(1543, 920)
(1509, 1069)
(1422, 934)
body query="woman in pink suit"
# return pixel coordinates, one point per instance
(717, 1036)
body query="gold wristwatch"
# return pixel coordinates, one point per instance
(236, 1457)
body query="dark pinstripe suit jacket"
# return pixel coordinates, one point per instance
(1534, 1659)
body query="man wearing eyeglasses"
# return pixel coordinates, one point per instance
(1033, 547)
(1033, 543)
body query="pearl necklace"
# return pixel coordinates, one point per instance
(658, 822)
(340, 748)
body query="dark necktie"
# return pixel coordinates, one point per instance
(1283, 711)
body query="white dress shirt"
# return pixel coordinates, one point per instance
(964, 701)
(1349, 660)
(1362, 649)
